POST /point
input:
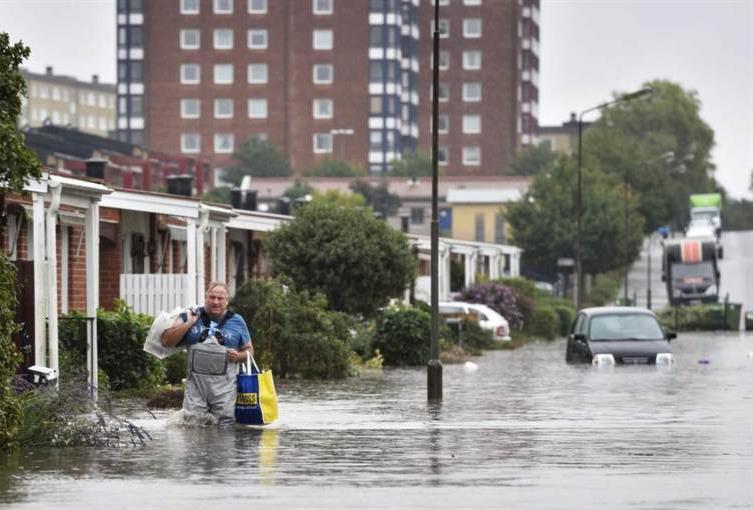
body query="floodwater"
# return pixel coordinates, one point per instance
(524, 431)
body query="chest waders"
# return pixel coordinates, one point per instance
(211, 381)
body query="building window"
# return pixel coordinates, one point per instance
(137, 76)
(190, 143)
(472, 60)
(190, 108)
(190, 39)
(375, 140)
(323, 39)
(376, 105)
(257, 108)
(223, 108)
(443, 124)
(471, 92)
(323, 74)
(443, 155)
(190, 74)
(223, 74)
(471, 2)
(479, 227)
(417, 215)
(444, 28)
(323, 108)
(137, 106)
(323, 6)
(499, 229)
(322, 143)
(223, 143)
(258, 73)
(257, 6)
(444, 60)
(471, 124)
(223, 39)
(223, 6)
(444, 92)
(189, 6)
(472, 28)
(136, 37)
(257, 39)
(472, 156)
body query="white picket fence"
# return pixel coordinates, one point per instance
(154, 293)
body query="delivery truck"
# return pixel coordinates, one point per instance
(691, 271)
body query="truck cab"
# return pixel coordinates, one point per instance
(691, 271)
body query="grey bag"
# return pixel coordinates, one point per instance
(207, 359)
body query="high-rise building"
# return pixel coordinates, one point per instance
(65, 101)
(340, 79)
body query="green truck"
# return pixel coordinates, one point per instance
(707, 207)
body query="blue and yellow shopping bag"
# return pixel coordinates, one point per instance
(256, 403)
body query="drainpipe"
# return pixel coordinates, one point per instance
(55, 189)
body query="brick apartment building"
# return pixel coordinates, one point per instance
(339, 79)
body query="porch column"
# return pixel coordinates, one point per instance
(515, 263)
(494, 265)
(92, 294)
(55, 189)
(191, 296)
(40, 280)
(200, 271)
(212, 254)
(221, 255)
(444, 272)
(471, 260)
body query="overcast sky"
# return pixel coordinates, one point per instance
(589, 49)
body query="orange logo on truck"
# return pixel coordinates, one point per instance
(691, 251)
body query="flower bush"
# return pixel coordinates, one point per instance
(508, 301)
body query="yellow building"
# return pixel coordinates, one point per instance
(65, 101)
(480, 214)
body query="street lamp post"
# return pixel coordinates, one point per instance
(434, 369)
(579, 196)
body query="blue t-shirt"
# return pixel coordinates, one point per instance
(232, 334)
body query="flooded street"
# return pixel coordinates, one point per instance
(524, 431)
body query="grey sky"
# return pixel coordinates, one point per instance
(589, 49)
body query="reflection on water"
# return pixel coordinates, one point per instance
(525, 428)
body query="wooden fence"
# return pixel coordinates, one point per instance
(154, 293)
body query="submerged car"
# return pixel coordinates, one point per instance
(487, 318)
(618, 335)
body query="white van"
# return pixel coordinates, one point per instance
(488, 319)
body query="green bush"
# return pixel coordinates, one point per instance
(403, 336)
(475, 340)
(566, 316)
(692, 318)
(604, 289)
(175, 367)
(120, 337)
(293, 332)
(544, 322)
(10, 411)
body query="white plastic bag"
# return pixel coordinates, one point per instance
(153, 343)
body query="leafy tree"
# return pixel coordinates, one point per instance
(299, 189)
(378, 197)
(544, 223)
(661, 145)
(17, 165)
(338, 198)
(414, 164)
(257, 158)
(532, 160)
(219, 195)
(334, 168)
(355, 260)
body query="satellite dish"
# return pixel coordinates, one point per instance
(246, 182)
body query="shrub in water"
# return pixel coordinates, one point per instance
(544, 323)
(403, 336)
(293, 332)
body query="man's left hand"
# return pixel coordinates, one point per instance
(237, 356)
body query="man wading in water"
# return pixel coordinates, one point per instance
(217, 340)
